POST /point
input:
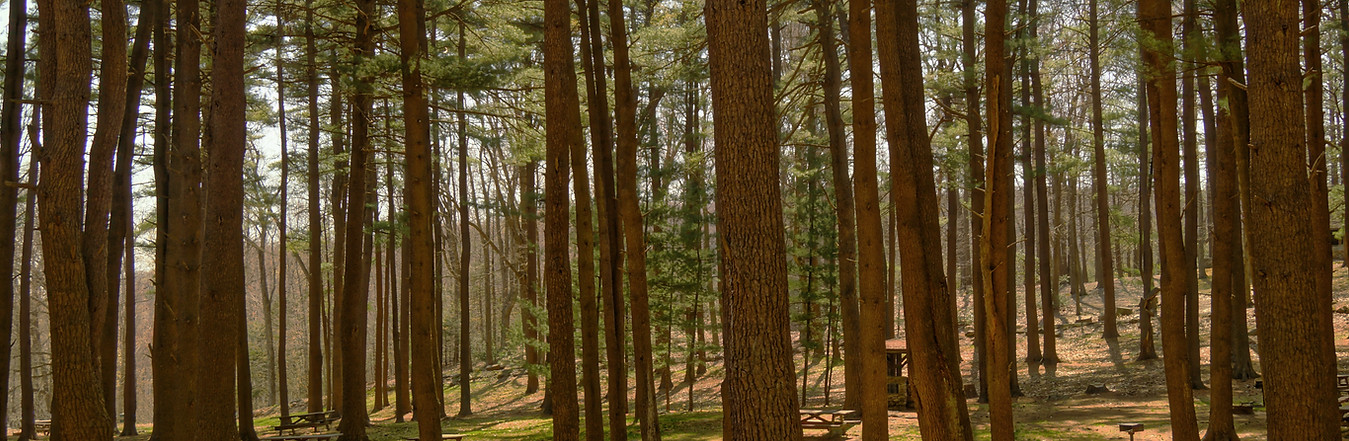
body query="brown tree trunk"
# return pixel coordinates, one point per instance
(1155, 17)
(625, 110)
(562, 123)
(935, 365)
(1344, 110)
(1100, 183)
(175, 335)
(1190, 199)
(530, 292)
(1322, 261)
(418, 194)
(338, 207)
(120, 222)
(315, 276)
(758, 399)
(1033, 354)
(585, 266)
(1294, 329)
(1049, 283)
(65, 66)
(11, 135)
(27, 412)
(277, 371)
(867, 353)
(974, 123)
(112, 80)
(995, 269)
(1146, 309)
(353, 306)
(465, 253)
(222, 302)
(844, 208)
(607, 211)
(1226, 259)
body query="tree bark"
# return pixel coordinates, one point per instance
(112, 81)
(868, 350)
(315, 276)
(418, 195)
(995, 269)
(585, 266)
(27, 420)
(1049, 283)
(1155, 17)
(465, 254)
(1100, 183)
(11, 135)
(353, 306)
(222, 302)
(929, 318)
(1226, 259)
(64, 45)
(174, 359)
(1190, 199)
(278, 372)
(1299, 364)
(562, 122)
(758, 401)
(974, 123)
(844, 208)
(625, 111)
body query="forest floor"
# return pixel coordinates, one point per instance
(1055, 405)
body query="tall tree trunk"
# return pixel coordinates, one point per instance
(1343, 6)
(1322, 261)
(844, 208)
(355, 278)
(1299, 363)
(867, 353)
(1049, 282)
(120, 223)
(749, 219)
(1226, 259)
(1155, 17)
(1100, 183)
(995, 269)
(112, 81)
(11, 135)
(625, 111)
(975, 140)
(1190, 199)
(338, 207)
(935, 365)
(222, 302)
(1147, 349)
(174, 359)
(562, 121)
(129, 346)
(279, 375)
(1033, 354)
(27, 412)
(530, 294)
(606, 209)
(418, 194)
(585, 266)
(315, 276)
(465, 253)
(65, 66)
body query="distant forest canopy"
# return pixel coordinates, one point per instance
(355, 206)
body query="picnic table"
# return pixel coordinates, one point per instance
(835, 421)
(303, 437)
(44, 426)
(306, 420)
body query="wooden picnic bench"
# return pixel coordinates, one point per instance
(837, 422)
(44, 426)
(303, 437)
(306, 420)
(443, 436)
